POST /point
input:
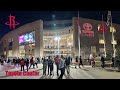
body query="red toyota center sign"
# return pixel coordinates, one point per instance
(87, 30)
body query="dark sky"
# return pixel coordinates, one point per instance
(24, 17)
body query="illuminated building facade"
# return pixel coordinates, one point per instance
(39, 39)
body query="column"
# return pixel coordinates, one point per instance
(39, 40)
(75, 37)
(15, 45)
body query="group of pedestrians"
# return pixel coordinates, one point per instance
(32, 62)
(17, 62)
(92, 60)
(61, 62)
(79, 61)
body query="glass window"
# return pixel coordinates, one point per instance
(112, 29)
(10, 53)
(101, 50)
(101, 41)
(93, 49)
(114, 42)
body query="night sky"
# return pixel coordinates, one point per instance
(24, 17)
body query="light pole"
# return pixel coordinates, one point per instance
(58, 39)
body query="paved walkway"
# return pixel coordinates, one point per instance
(86, 72)
(6, 67)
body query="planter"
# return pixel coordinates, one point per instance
(118, 68)
(118, 65)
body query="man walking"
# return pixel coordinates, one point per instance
(67, 62)
(80, 63)
(102, 61)
(57, 60)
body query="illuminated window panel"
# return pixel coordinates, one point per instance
(98, 26)
(112, 29)
(10, 53)
(4, 52)
(101, 41)
(93, 49)
(114, 42)
(101, 50)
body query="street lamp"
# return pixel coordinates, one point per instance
(58, 39)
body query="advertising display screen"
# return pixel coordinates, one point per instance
(27, 38)
(21, 39)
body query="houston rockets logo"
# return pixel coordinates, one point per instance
(12, 23)
(87, 26)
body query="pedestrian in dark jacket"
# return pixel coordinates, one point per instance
(67, 64)
(76, 61)
(18, 61)
(8, 60)
(113, 60)
(32, 63)
(27, 63)
(14, 61)
(102, 62)
(2, 62)
(50, 65)
(80, 63)
(71, 59)
(22, 63)
(45, 63)
(38, 60)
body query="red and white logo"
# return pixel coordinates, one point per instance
(87, 30)
(87, 26)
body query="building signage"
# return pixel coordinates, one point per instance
(87, 30)
(12, 23)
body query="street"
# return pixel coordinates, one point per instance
(86, 72)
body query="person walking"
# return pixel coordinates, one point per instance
(57, 61)
(36, 62)
(14, 62)
(80, 62)
(62, 67)
(45, 63)
(27, 63)
(18, 61)
(2, 62)
(93, 62)
(32, 63)
(22, 63)
(76, 61)
(42, 59)
(50, 65)
(67, 64)
(102, 61)
(90, 59)
(71, 59)
(113, 60)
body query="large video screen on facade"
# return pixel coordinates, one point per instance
(27, 38)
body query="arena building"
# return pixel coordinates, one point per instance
(42, 38)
